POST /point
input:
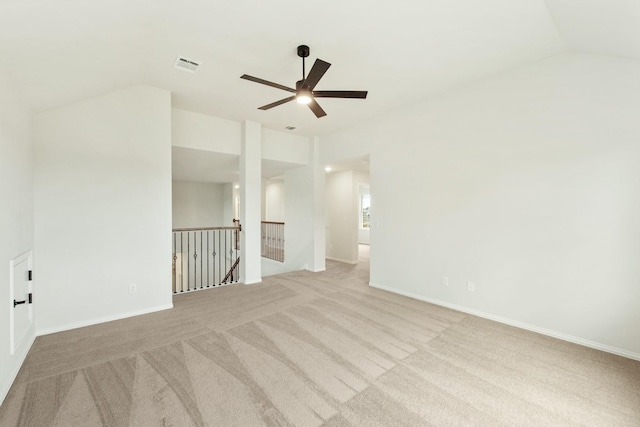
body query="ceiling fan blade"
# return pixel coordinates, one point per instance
(317, 71)
(268, 83)
(359, 94)
(275, 104)
(317, 109)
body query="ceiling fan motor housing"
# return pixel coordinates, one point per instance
(303, 51)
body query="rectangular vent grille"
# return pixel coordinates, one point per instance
(186, 64)
(290, 127)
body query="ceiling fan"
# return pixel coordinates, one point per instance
(304, 92)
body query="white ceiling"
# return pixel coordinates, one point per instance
(58, 52)
(610, 27)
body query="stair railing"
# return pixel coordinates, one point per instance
(272, 234)
(205, 257)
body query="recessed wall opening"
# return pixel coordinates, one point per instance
(205, 195)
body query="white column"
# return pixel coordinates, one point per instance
(317, 262)
(250, 202)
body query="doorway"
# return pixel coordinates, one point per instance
(348, 204)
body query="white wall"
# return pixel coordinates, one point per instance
(103, 208)
(198, 204)
(299, 217)
(285, 147)
(274, 201)
(204, 132)
(526, 184)
(341, 206)
(16, 216)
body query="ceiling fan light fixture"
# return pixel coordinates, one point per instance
(304, 97)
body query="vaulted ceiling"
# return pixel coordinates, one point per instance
(58, 52)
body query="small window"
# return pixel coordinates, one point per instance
(365, 205)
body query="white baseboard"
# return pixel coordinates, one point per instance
(342, 260)
(90, 322)
(517, 324)
(318, 270)
(20, 358)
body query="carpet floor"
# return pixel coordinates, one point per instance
(316, 349)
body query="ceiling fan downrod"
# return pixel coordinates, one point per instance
(303, 52)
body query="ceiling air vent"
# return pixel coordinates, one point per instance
(290, 127)
(186, 64)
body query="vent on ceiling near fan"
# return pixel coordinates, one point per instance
(290, 127)
(186, 64)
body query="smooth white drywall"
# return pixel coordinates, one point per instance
(364, 236)
(299, 216)
(274, 201)
(103, 208)
(16, 216)
(341, 216)
(285, 147)
(198, 204)
(204, 132)
(318, 213)
(526, 184)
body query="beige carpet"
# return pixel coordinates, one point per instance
(318, 349)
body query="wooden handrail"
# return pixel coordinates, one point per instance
(235, 265)
(271, 222)
(206, 228)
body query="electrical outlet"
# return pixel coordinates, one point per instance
(445, 281)
(133, 288)
(471, 286)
